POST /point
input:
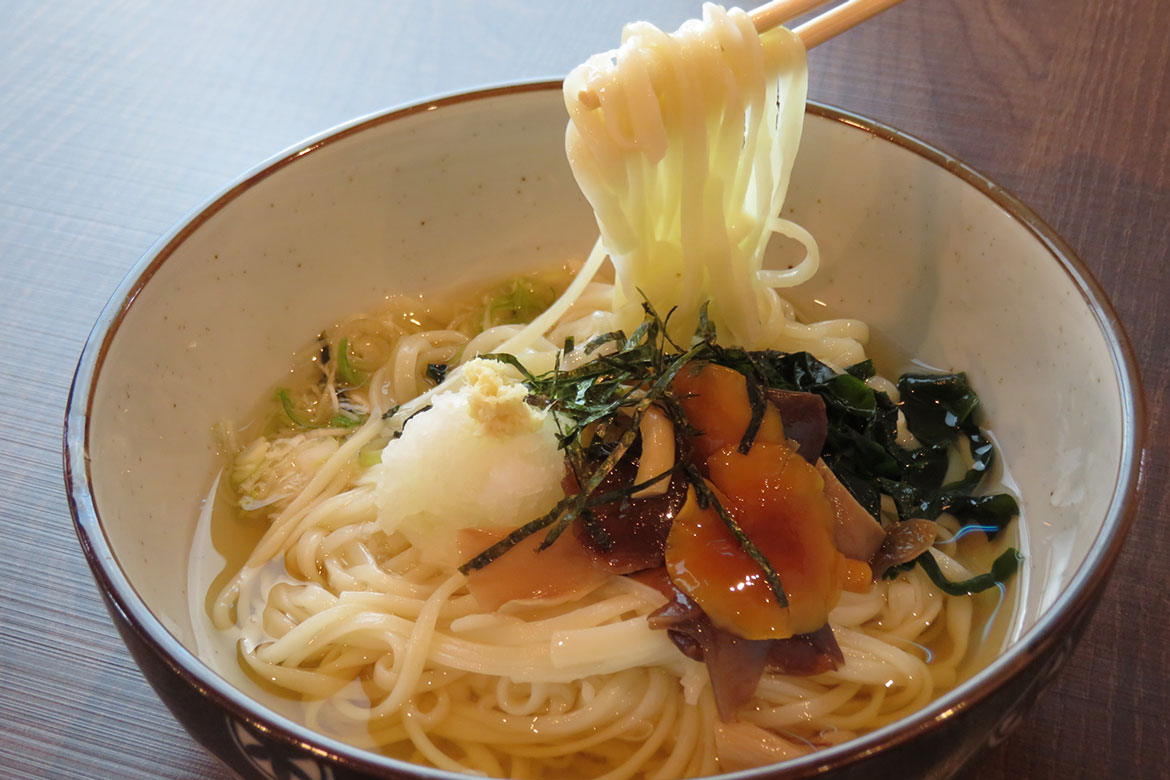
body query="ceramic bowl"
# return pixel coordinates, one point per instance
(943, 264)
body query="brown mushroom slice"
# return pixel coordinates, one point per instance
(905, 542)
(806, 654)
(855, 532)
(734, 664)
(635, 527)
(805, 420)
(657, 455)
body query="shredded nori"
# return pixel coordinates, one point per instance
(636, 374)
(632, 372)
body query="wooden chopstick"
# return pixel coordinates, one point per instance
(778, 12)
(816, 31)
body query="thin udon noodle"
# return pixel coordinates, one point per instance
(394, 654)
(391, 652)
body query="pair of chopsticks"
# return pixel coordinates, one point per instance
(821, 28)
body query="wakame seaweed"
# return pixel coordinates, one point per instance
(1002, 568)
(862, 447)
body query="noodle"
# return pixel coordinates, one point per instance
(537, 689)
(687, 163)
(684, 145)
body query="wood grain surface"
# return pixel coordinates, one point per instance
(119, 117)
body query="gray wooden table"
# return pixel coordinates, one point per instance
(117, 118)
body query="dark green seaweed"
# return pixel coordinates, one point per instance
(861, 448)
(1002, 568)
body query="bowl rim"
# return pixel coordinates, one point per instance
(122, 596)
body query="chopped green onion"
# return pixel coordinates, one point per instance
(294, 414)
(345, 370)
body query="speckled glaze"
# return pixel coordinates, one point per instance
(945, 266)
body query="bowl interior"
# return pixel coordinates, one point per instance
(478, 188)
